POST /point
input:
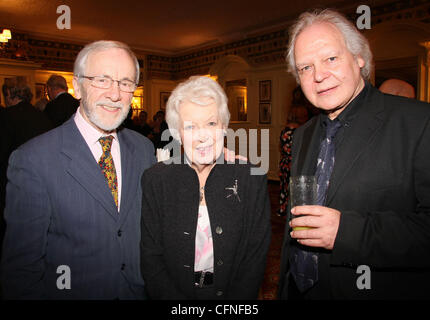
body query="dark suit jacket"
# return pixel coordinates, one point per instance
(240, 230)
(381, 186)
(18, 124)
(60, 212)
(61, 108)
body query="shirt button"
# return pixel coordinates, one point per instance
(218, 230)
(219, 293)
(220, 262)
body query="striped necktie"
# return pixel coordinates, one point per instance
(108, 167)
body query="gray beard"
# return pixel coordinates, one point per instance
(98, 122)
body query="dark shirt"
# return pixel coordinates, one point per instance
(346, 117)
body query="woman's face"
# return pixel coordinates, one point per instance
(201, 131)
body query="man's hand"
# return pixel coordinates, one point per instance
(231, 156)
(324, 223)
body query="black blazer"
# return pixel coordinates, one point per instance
(381, 186)
(61, 108)
(241, 230)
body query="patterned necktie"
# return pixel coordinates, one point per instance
(108, 167)
(325, 160)
(304, 263)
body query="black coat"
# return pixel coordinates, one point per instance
(18, 124)
(381, 185)
(240, 227)
(61, 108)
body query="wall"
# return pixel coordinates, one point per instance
(153, 88)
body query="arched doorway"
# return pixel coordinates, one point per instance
(232, 73)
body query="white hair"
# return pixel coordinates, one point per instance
(197, 89)
(97, 46)
(356, 42)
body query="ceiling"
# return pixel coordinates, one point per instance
(163, 26)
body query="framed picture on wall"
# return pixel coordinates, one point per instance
(164, 96)
(265, 90)
(265, 112)
(241, 112)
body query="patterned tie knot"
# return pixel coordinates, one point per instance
(332, 127)
(106, 143)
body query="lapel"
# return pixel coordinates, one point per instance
(308, 147)
(130, 179)
(84, 169)
(355, 142)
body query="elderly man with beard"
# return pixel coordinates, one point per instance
(74, 196)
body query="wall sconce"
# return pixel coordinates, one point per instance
(5, 36)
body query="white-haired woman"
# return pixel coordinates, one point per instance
(205, 223)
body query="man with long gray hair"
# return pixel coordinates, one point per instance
(368, 234)
(74, 197)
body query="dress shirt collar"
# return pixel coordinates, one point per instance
(90, 134)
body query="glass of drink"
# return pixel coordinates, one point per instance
(303, 191)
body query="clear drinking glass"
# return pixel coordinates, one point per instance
(303, 191)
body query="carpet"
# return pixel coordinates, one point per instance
(269, 287)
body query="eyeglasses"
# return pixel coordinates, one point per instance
(106, 83)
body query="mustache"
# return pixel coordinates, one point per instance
(111, 104)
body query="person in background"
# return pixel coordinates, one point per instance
(297, 116)
(159, 125)
(41, 104)
(143, 126)
(73, 201)
(398, 87)
(370, 154)
(62, 105)
(205, 223)
(128, 122)
(19, 122)
(1, 106)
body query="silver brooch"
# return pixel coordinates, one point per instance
(234, 189)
